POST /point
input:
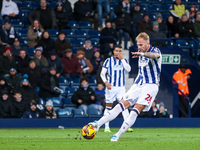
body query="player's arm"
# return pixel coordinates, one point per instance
(125, 63)
(103, 74)
(146, 54)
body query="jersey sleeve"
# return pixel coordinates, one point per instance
(106, 63)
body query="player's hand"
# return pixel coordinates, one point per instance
(120, 56)
(108, 85)
(92, 97)
(80, 101)
(136, 54)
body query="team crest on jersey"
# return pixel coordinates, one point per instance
(144, 61)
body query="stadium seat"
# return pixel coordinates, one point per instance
(141, 1)
(76, 42)
(70, 91)
(92, 82)
(17, 23)
(31, 51)
(74, 50)
(112, 6)
(22, 32)
(57, 102)
(157, 1)
(165, 16)
(94, 113)
(155, 8)
(67, 102)
(94, 33)
(26, 5)
(42, 101)
(144, 7)
(79, 113)
(52, 5)
(69, 33)
(182, 44)
(188, 1)
(168, 1)
(64, 113)
(23, 41)
(35, 5)
(81, 34)
(115, 1)
(24, 13)
(53, 32)
(73, 24)
(96, 42)
(75, 82)
(63, 81)
(153, 16)
(37, 90)
(26, 23)
(165, 8)
(84, 25)
(193, 44)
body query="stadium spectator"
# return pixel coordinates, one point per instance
(145, 24)
(98, 77)
(67, 8)
(16, 47)
(7, 61)
(13, 78)
(156, 34)
(162, 112)
(185, 27)
(172, 27)
(123, 21)
(62, 44)
(84, 97)
(4, 86)
(197, 27)
(103, 8)
(107, 44)
(34, 74)
(49, 86)
(32, 111)
(6, 106)
(27, 91)
(162, 25)
(153, 112)
(7, 33)
(22, 61)
(40, 60)
(61, 16)
(47, 44)
(19, 104)
(86, 66)
(55, 61)
(34, 33)
(9, 10)
(97, 62)
(72, 67)
(181, 78)
(45, 15)
(49, 112)
(192, 13)
(136, 14)
(177, 9)
(83, 11)
(100, 96)
(88, 49)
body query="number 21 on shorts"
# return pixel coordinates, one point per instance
(148, 98)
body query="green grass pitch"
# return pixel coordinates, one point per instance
(71, 139)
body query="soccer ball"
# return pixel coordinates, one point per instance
(88, 132)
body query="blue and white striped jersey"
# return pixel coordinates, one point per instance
(149, 69)
(115, 71)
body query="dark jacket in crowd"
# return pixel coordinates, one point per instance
(20, 107)
(14, 82)
(47, 44)
(61, 18)
(16, 49)
(144, 26)
(34, 75)
(21, 64)
(123, 20)
(100, 97)
(71, 65)
(29, 114)
(184, 28)
(67, 8)
(173, 28)
(196, 28)
(6, 36)
(46, 17)
(48, 83)
(49, 115)
(28, 93)
(136, 16)
(96, 63)
(89, 52)
(61, 46)
(81, 9)
(6, 64)
(6, 87)
(163, 27)
(84, 95)
(57, 63)
(108, 32)
(6, 108)
(165, 115)
(152, 114)
(157, 35)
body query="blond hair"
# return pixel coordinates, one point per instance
(143, 36)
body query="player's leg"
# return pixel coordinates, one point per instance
(107, 109)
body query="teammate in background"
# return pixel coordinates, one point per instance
(143, 91)
(115, 67)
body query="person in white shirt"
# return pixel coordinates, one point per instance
(9, 10)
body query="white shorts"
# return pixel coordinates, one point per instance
(114, 93)
(142, 94)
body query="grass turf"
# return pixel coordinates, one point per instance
(71, 139)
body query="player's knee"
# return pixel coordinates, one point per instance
(139, 107)
(126, 103)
